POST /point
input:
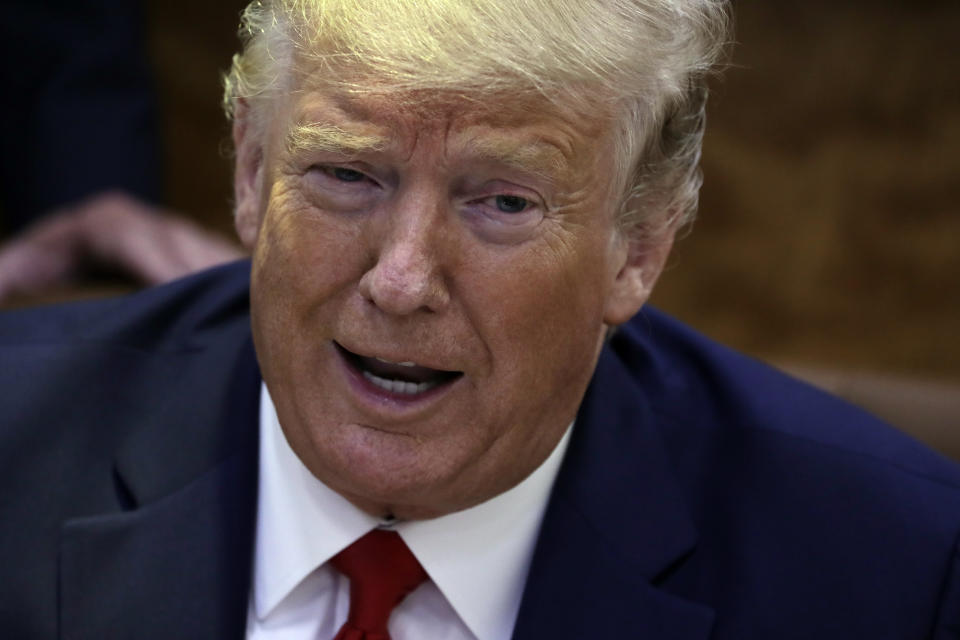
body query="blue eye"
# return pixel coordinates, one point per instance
(511, 204)
(347, 175)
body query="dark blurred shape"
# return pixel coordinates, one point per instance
(79, 112)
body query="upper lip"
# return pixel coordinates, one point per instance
(393, 357)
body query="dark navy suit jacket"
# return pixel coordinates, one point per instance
(703, 494)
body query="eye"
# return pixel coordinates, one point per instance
(511, 204)
(344, 174)
(340, 188)
(504, 218)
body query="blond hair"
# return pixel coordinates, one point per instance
(645, 59)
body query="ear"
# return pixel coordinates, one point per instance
(640, 264)
(247, 176)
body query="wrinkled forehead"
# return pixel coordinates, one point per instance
(517, 126)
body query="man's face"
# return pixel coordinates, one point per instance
(430, 288)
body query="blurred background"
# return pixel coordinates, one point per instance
(828, 241)
(830, 215)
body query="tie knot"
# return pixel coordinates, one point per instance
(382, 571)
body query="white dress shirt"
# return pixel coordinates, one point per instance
(477, 559)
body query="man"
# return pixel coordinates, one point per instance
(455, 209)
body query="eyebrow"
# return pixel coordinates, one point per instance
(538, 157)
(332, 139)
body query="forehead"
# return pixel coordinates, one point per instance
(515, 128)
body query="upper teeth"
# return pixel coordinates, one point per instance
(402, 364)
(399, 386)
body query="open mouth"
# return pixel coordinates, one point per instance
(399, 378)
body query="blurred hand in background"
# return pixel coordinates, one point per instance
(110, 231)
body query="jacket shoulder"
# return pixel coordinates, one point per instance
(109, 409)
(172, 316)
(799, 499)
(700, 385)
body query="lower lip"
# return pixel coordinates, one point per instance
(381, 396)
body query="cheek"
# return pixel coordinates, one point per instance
(304, 256)
(302, 262)
(550, 301)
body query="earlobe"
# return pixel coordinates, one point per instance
(640, 267)
(247, 177)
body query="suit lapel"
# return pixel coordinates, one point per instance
(178, 563)
(615, 525)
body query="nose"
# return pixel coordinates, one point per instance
(406, 276)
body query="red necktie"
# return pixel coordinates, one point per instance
(382, 571)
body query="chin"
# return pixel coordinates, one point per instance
(384, 473)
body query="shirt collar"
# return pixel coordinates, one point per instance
(478, 558)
